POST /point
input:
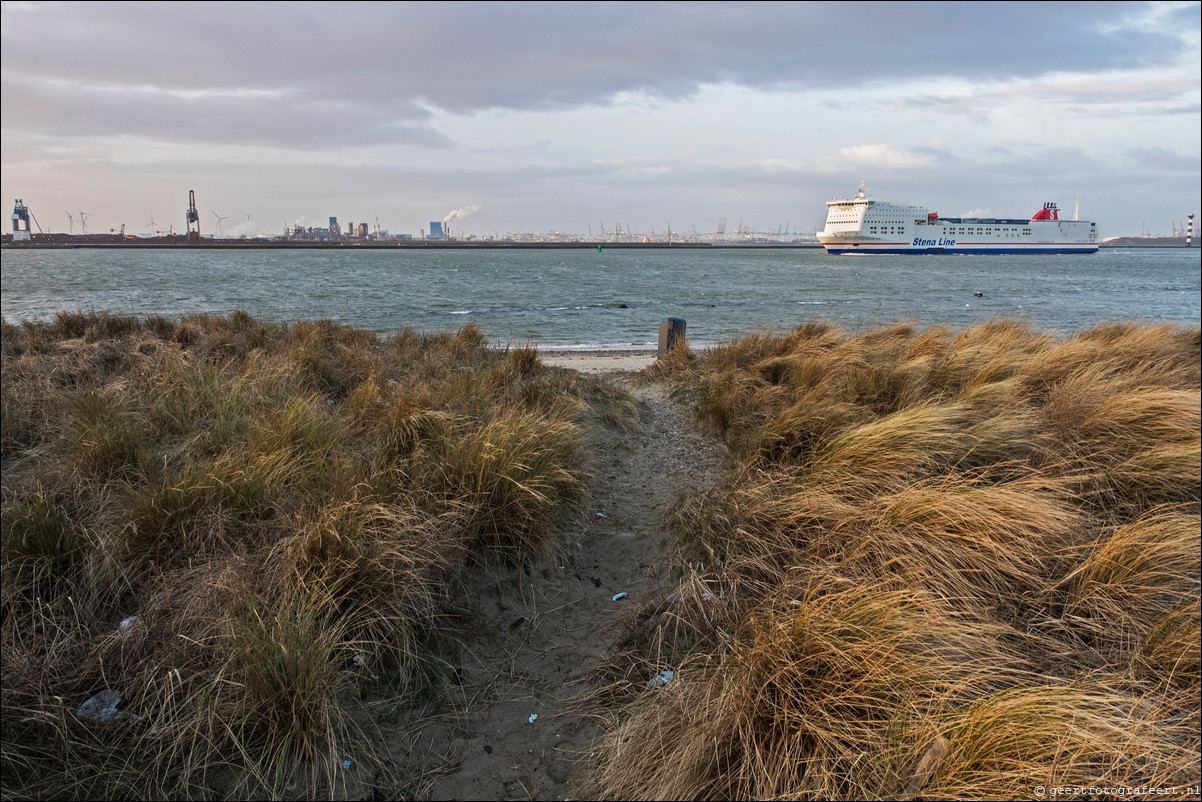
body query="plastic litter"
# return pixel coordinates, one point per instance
(346, 764)
(128, 622)
(602, 515)
(361, 661)
(533, 716)
(103, 707)
(619, 596)
(662, 679)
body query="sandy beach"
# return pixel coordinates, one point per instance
(598, 361)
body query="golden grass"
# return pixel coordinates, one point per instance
(816, 697)
(947, 565)
(279, 514)
(1135, 575)
(1008, 744)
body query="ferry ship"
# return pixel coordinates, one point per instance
(864, 225)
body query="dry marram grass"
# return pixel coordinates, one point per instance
(249, 531)
(947, 565)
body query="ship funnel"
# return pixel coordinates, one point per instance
(1048, 212)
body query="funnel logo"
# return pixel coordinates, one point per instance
(1048, 212)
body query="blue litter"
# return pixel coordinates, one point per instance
(662, 679)
(620, 596)
(103, 707)
(533, 716)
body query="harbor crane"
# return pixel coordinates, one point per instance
(21, 217)
(192, 218)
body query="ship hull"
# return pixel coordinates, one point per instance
(905, 249)
(861, 225)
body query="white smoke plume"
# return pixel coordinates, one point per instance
(460, 214)
(247, 228)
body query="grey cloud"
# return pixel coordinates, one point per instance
(278, 121)
(974, 109)
(1047, 164)
(1160, 159)
(941, 156)
(364, 73)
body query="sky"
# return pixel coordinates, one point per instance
(535, 117)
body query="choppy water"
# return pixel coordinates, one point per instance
(612, 299)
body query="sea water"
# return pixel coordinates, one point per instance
(581, 298)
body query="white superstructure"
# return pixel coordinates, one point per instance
(863, 225)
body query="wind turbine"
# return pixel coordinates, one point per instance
(72, 222)
(219, 219)
(83, 216)
(153, 226)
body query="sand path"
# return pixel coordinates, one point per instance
(541, 635)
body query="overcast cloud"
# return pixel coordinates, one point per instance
(562, 115)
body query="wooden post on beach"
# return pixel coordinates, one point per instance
(671, 332)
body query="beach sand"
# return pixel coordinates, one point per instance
(520, 726)
(598, 361)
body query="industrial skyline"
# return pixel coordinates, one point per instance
(503, 118)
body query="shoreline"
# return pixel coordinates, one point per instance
(105, 241)
(108, 241)
(599, 361)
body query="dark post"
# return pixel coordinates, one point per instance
(671, 332)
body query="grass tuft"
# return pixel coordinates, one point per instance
(245, 530)
(943, 565)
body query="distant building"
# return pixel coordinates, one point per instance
(436, 230)
(21, 231)
(335, 230)
(363, 231)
